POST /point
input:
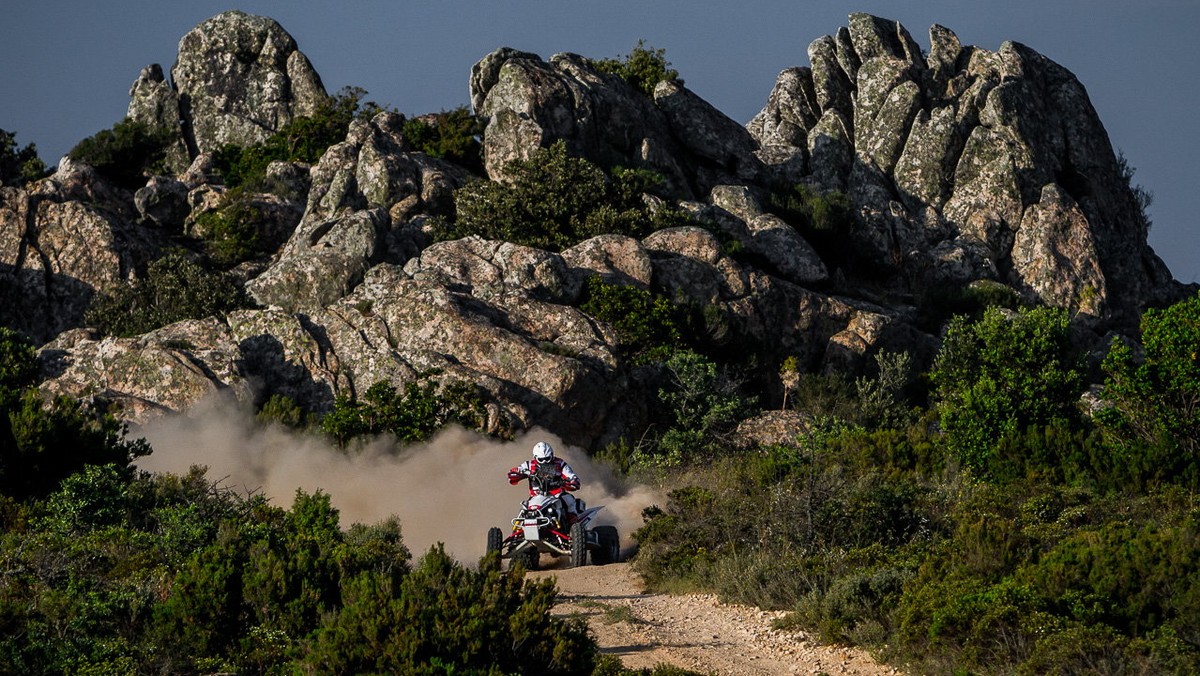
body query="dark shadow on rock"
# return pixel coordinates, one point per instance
(42, 304)
(263, 358)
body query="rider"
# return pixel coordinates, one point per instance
(561, 477)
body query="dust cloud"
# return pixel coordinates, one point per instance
(450, 489)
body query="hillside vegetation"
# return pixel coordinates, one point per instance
(993, 527)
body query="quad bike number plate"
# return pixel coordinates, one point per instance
(530, 527)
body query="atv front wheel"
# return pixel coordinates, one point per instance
(609, 549)
(495, 539)
(528, 557)
(578, 546)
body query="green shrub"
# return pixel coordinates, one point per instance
(174, 288)
(48, 440)
(937, 303)
(644, 67)
(648, 327)
(233, 232)
(283, 410)
(699, 405)
(553, 201)
(117, 572)
(1152, 417)
(1001, 375)
(1143, 196)
(18, 167)
(813, 211)
(18, 364)
(414, 415)
(446, 618)
(304, 139)
(449, 135)
(125, 154)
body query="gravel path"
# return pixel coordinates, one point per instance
(693, 631)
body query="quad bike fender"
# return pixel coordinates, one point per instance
(588, 514)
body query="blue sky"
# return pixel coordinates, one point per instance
(66, 65)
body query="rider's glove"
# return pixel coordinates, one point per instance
(515, 476)
(572, 485)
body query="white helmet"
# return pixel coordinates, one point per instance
(543, 452)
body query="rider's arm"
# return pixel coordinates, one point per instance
(517, 473)
(570, 479)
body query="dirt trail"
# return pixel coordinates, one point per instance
(693, 631)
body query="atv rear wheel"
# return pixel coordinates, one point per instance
(495, 539)
(578, 546)
(609, 549)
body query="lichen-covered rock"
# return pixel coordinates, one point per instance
(163, 203)
(546, 363)
(1054, 255)
(690, 264)
(710, 134)
(241, 78)
(529, 103)
(287, 354)
(360, 192)
(376, 168)
(153, 102)
(780, 246)
(618, 259)
(943, 157)
(289, 181)
(774, 428)
(165, 371)
(62, 241)
(485, 268)
(322, 262)
(781, 127)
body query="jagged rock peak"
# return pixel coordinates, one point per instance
(946, 159)
(239, 79)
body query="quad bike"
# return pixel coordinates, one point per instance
(544, 526)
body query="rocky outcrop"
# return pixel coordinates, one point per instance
(62, 241)
(167, 370)
(967, 164)
(240, 78)
(530, 103)
(155, 103)
(362, 194)
(965, 167)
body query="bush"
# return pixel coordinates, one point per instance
(449, 135)
(1152, 417)
(127, 153)
(648, 327)
(553, 201)
(18, 167)
(937, 303)
(644, 67)
(814, 212)
(825, 219)
(414, 415)
(174, 288)
(1001, 375)
(124, 573)
(18, 364)
(233, 232)
(46, 440)
(50, 440)
(304, 139)
(284, 410)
